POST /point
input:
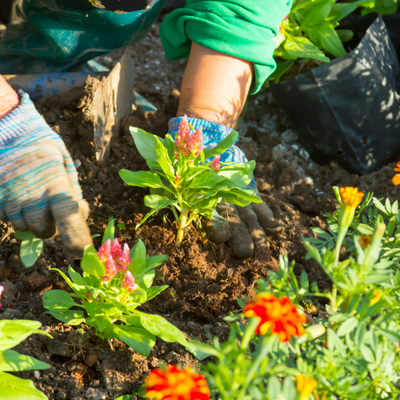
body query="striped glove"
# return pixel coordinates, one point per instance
(244, 228)
(38, 180)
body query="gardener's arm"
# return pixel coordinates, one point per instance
(38, 179)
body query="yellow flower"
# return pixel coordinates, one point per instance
(396, 178)
(375, 299)
(365, 241)
(305, 386)
(351, 198)
(97, 4)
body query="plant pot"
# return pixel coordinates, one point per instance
(348, 110)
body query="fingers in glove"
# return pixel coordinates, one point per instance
(240, 241)
(13, 214)
(218, 229)
(266, 219)
(249, 217)
(69, 212)
(38, 218)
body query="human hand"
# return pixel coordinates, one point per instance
(38, 181)
(243, 228)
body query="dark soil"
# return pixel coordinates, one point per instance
(204, 279)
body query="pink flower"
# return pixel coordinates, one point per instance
(116, 250)
(1, 291)
(177, 177)
(215, 163)
(111, 269)
(124, 260)
(196, 142)
(104, 251)
(182, 139)
(129, 282)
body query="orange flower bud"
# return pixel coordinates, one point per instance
(375, 299)
(351, 197)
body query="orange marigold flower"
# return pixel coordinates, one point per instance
(176, 384)
(396, 178)
(281, 316)
(365, 241)
(351, 197)
(375, 299)
(305, 386)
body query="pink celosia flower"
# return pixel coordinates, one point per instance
(215, 163)
(104, 251)
(196, 142)
(124, 260)
(1, 291)
(116, 250)
(111, 269)
(182, 139)
(129, 282)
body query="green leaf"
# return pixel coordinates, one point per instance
(239, 174)
(160, 327)
(70, 317)
(101, 322)
(11, 361)
(367, 353)
(109, 232)
(364, 229)
(304, 280)
(58, 301)
(345, 34)
(301, 47)
(164, 161)
(92, 267)
(31, 247)
(76, 277)
(347, 326)
(146, 179)
(169, 144)
(274, 387)
(389, 334)
(341, 10)
(155, 291)
(138, 259)
(281, 68)
(145, 143)
(316, 13)
(13, 388)
(222, 146)
(379, 205)
(15, 331)
(324, 36)
(207, 179)
(155, 261)
(158, 202)
(138, 338)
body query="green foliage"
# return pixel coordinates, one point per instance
(31, 247)
(309, 32)
(12, 387)
(352, 353)
(188, 185)
(104, 306)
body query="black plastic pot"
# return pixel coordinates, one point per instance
(348, 110)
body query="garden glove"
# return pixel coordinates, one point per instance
(38, 180)
(244, 228)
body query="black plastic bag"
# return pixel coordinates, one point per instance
(348, 110)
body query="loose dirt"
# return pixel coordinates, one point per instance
(204, 279)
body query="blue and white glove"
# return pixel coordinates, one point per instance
(244, 228)
(38, 180)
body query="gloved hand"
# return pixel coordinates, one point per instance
(38, 180)
(244, 228)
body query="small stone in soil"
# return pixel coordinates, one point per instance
(36, 282)
(95, 394)
(8, 295)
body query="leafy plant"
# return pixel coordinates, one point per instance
(350, 354)
(30, 249)
(11, 334)
(186, 178)
(309, 32)
(114, 283)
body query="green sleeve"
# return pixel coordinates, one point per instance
(241, 28)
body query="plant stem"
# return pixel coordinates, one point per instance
(182, 226)
(341, 235)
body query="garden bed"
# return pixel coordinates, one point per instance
(204, 279)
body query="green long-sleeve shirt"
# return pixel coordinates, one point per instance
(241, 28)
